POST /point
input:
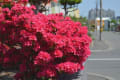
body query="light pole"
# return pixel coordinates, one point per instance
(100, 20)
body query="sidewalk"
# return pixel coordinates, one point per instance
(98, 45)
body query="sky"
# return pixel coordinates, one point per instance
(86, 5)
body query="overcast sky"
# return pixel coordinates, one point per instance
(86, 5)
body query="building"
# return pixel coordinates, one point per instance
(105, 23)
(77, 13)
(74, 12)
(94, 18)
(55, 7)
(105, 13)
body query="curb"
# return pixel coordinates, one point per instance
(91, 45)
(99, 75)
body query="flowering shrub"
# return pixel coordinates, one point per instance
(41, 46)
(68, 67)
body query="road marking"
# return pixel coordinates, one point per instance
(100, 75)
(104, 59)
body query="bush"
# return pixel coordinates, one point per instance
(42, 47)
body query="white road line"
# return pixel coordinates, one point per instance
(100, 75)
(104, 59)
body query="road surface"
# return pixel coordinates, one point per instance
(106, 62)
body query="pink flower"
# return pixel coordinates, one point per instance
(23, 68)
(68, 67)
(40, 74)
(33, 7)
(41, 45)
(42, 58)
(6, 60)
(58, 54)
(32, 37)
(47, 72)
(28, 43)
(36, 47)
(50, 73)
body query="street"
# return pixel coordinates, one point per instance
(106, 62)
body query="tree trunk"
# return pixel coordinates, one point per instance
(37, 7)
(65, 8)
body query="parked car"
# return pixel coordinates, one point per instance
(118, 28)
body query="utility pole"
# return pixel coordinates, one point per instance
(96, 16)
(100, 19)
(96, 8)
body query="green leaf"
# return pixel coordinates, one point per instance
(43, 78)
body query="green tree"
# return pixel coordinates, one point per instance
(113, 21)
(69, 4)
(82, 20)
(40, 4)
(113, 25)
(119, 21)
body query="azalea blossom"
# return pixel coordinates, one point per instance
(41, 45)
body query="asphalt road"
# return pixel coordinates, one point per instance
(107, 62)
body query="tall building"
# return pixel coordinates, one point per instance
(105, 13)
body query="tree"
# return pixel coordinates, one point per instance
(40, 4)
(69, 4)
(83, 20)
(113, 24)
(113, 21)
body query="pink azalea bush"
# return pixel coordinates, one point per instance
(42, 46)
